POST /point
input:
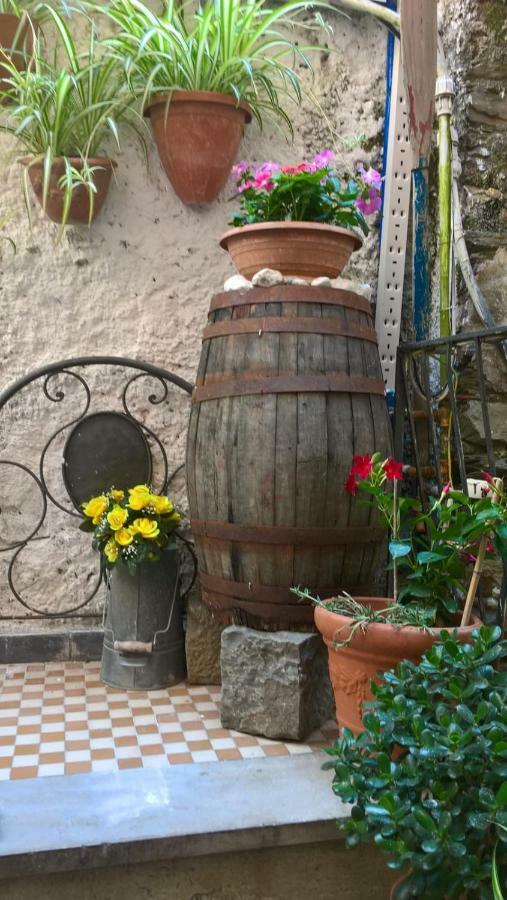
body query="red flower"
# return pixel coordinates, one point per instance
(361, 465)
(485, 491)
(486, 477)
(393, 469)
(351, 483)
(294, 170)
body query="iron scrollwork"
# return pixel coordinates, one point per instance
(54, 382)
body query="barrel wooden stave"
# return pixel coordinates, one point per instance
(281, 459)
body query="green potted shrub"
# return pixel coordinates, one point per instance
(427, 778)
(202, 75)
(134, 532)
(63, 115)
(301, 220)
(432, 554)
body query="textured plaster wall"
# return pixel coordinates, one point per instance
(138, 284)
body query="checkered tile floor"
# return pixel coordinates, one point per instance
(59, 719)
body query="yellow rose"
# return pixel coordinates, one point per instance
(123, 537)
(95, 508)
(146, 528)
(175, 518)
(140, 497)
(117, 517)
(117, 495)
(161, 505)
(111, 551)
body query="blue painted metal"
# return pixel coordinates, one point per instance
(420, 254)
(391, 4)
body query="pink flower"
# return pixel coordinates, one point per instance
(239, 170)
(295, 170)
(446, 488)
(371, 205)
(323, 159)
(370, 177)
(393, 470)
(245, 186)
(266, 169)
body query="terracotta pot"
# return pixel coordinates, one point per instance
(16, 41)
(79, 207)
(370, 653)
(197, 137)
(305, 249)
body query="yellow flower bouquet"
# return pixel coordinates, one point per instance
(133, 526)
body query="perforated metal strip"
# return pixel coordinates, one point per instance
(394, 228)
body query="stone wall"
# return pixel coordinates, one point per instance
(138, 284)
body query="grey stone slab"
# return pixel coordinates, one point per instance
(64, 823)
(25, 648)
(86, 646)
(275, 683)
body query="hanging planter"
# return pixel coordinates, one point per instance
(62, 115)
(197, 135)
(203, 75)
(299, 220)
(84, 202)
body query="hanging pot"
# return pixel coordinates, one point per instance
(373, 651)
(143, 630)
(80, 204)
(197, 135)
(304, 249)
(16, 42)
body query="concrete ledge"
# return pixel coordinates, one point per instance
(83, 646)
(68, 823)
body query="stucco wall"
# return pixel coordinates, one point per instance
(138, 284)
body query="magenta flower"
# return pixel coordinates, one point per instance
(323, 159)
(371, 205)
(266, 170)
(370, 177)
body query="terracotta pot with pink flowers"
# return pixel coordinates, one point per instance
(301, 220)
(432, 552)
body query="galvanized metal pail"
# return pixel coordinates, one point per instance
(144, 645)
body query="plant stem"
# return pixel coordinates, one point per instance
(387, 16)
(395, 537)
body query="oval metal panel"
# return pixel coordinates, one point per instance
(105, 449)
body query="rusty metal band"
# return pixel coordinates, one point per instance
(243, 385)
(291, 614)
(291, 293)
(265, 593)
(266, 534)
(291, 325)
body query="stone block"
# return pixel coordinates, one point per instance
(202, 643)
(275, 683)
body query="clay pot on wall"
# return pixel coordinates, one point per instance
(304, 249)
(15, 41)
(197, 135)
(79, 213)
(379, 648)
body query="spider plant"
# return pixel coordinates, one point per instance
(231, 47)
(33, 8)
(64, 114)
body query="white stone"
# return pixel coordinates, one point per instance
(267, 278)
(295, 279)
(237, 283)
(346, 284)
(322, 282)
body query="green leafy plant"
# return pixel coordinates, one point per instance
(234, 47)
(308, 192)
(131, 527)
(33, 8)
(428, 776)
(432, 550)
(66, 112)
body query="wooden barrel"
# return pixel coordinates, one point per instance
(289, 387)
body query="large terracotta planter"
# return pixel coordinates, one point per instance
(304, 249)
(80, 204)
(197, 135)
(15, 40)
(370, 653)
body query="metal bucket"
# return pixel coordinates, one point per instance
(144, 646)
